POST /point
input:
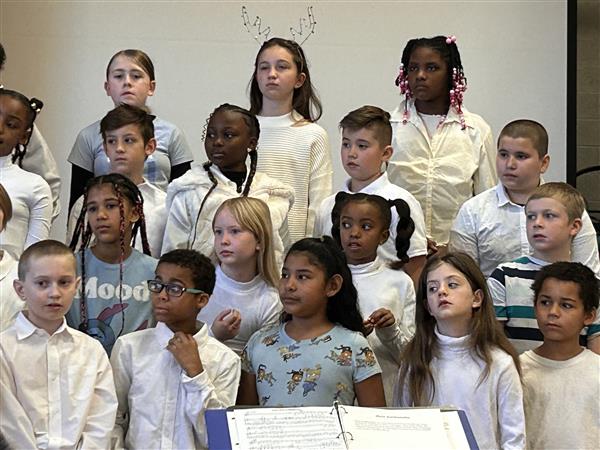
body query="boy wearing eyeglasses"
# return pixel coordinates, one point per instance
(166, 377)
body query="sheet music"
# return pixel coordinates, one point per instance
(310, 428)
(454, 430)
(395, 428)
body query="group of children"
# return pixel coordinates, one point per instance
(204, 287)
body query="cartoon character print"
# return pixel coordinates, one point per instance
(264, 400)
(287, 353)
(294, 380)
(339, 389)
(368, 360)
(271, 339)
(317, 340)
(344, 358)
(263, 375)
(99, 328)
(310, 379)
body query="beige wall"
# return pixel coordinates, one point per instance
(514, 55)
(588, 98)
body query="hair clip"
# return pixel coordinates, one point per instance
(305, 29)
(451, 40)
(34, 106)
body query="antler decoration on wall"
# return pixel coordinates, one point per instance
(305, 29)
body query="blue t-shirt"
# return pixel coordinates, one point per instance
(104, 312)
(311, 372)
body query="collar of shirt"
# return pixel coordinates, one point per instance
(25, 328)
(413, 115)
(6, 161)
(503, 198)
(365, 268)
(373, 188)
(163, 334)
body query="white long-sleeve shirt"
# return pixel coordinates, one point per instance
(494, 407)
(185, 229)
(379, 286)
(39, 159)
(10, 302)
(161, 407)
(31, 200)
(257, 302)
(296, 152)
(57, 392)
(445, 170)
(155, 216)
(493, 230)
(382, 187)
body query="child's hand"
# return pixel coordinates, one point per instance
(382, 318)
(432, 247)
(185, 351)
(368, 327)
(227, 324)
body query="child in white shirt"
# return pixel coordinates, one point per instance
(245, 298)
(56, 383)
(561, 380)
(167, 377)
(366, 148)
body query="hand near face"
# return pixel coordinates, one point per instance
(185, 351)
(227, 324)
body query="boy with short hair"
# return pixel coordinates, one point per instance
(128, 139)
(56, 383)
(561, 380)
(553, 213)
(490, 227)
(167, 377)
(365, 152)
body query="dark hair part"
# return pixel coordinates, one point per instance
(325, 254)
(580, 274)
(32, 107)
(527, 129)
(139, 57)
(200, 267)
(372, 118)
(404, 229)
(48, 247)
(305, 99)
(485, 335)
(5, 206)
(254, 127)
(124, 189)
(125, 114)
(563, 193)
(448, 52)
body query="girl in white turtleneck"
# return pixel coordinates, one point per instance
(386, 294)
(245, 297)
(460, 356)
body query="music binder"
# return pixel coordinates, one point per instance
(336, 426)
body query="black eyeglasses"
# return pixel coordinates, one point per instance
(174, 290)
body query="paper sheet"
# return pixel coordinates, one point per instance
(287, 428)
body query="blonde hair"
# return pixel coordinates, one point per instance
(253, 215)
(563, 193)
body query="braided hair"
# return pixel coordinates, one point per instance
(125, 190)
(254, 127)
(448, 50)
(32, 106)
(404, 229)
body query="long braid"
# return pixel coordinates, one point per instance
(253, 162)
(213, 180)
(122, 232)
(85, 239)
(404, 231)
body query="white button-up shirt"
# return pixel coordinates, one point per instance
(159, 405)
(57, 391)
(445, 170)
(492, 229)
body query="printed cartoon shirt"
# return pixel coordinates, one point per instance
(312, 372)
(107, 317)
